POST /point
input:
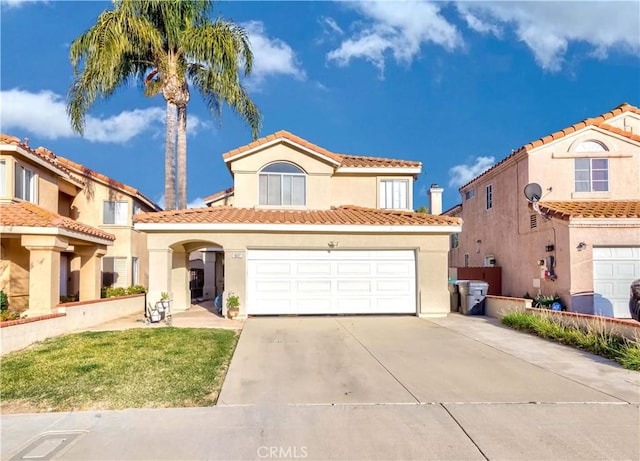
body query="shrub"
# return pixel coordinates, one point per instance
(112, 292)
(4, 301)
(596, 338)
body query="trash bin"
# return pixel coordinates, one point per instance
(463, 290)
(454, 296)
(475, 297)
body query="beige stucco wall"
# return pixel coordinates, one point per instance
(431, 259)
(245, 172)
(324, 188)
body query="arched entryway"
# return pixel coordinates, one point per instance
(170, 272)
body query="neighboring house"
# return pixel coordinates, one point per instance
(581, 239)
(66, 230)
(310, 232)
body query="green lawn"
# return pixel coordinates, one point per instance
(151, 368)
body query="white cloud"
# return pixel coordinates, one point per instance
(331, 26)
(459, 175)
(44, 114)
(196, 203)
(19, 3)
(549, 28)
(271, 56)
(399, 28)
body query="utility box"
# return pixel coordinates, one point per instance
(473, 294)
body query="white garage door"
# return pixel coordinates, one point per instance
(330, 282)
(614, 268)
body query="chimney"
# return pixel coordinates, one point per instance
(435, 199)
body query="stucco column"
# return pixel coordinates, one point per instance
(160, 262)
(433, 289)
(44, 272)
(209, 288)
(180, 293)
(235, 269)
(90, 271)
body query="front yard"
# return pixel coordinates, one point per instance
(150, 368)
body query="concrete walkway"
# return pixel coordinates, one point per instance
(359, 388)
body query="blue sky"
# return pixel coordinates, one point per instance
(455, 85)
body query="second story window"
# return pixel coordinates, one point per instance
(3, 178)
(591, 175)
(282, 184)
(469, 194)
(115, 213)
(489, 197)
(394, 194)
(25, 184)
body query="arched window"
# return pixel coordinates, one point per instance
(591, 174)
(591, 146)
(282, 184)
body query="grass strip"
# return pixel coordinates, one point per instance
(136, 368)
(596, 339)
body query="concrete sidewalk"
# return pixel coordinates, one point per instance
(575, 405)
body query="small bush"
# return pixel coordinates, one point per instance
(112, 292)
(597, 338)
(69, 299)
(4, 301)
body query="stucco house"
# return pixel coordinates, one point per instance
(65, 230)
(308, 231)
(581, 237)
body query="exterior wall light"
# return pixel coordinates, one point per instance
(333, 244)
(581, 246)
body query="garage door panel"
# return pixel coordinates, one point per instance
(313, 286)
(331, 282)
(313, 268)
(614, 268)
(274, 268)
(349, 268)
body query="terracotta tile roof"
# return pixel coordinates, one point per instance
(344, 215)
(598, 121)
(592, 209)
(70, 167)
(83, 170)
(341, 159)
(31, 215)
(217, 195)
(376, 162)
(45, 154)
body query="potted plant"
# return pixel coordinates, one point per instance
(233, 306)
(164, 299)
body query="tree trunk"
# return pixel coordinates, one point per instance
(182, 157)
(170, 158)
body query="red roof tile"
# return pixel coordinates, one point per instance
(31, 215)
(41, 153)
(591, 209)
(347, 215)
(217, 195)
(343, 160)
(598, 121)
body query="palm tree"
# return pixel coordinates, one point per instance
(165, 45)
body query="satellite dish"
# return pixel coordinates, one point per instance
(533, 192)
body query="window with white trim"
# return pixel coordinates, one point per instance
(282, 184)
(394, 194)
(489, 197)
(3, 177)
(25, 184)
(114, 271)
(591, 174)
(115, 213)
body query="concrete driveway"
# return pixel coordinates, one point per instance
(395, 360)
(356, 388)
